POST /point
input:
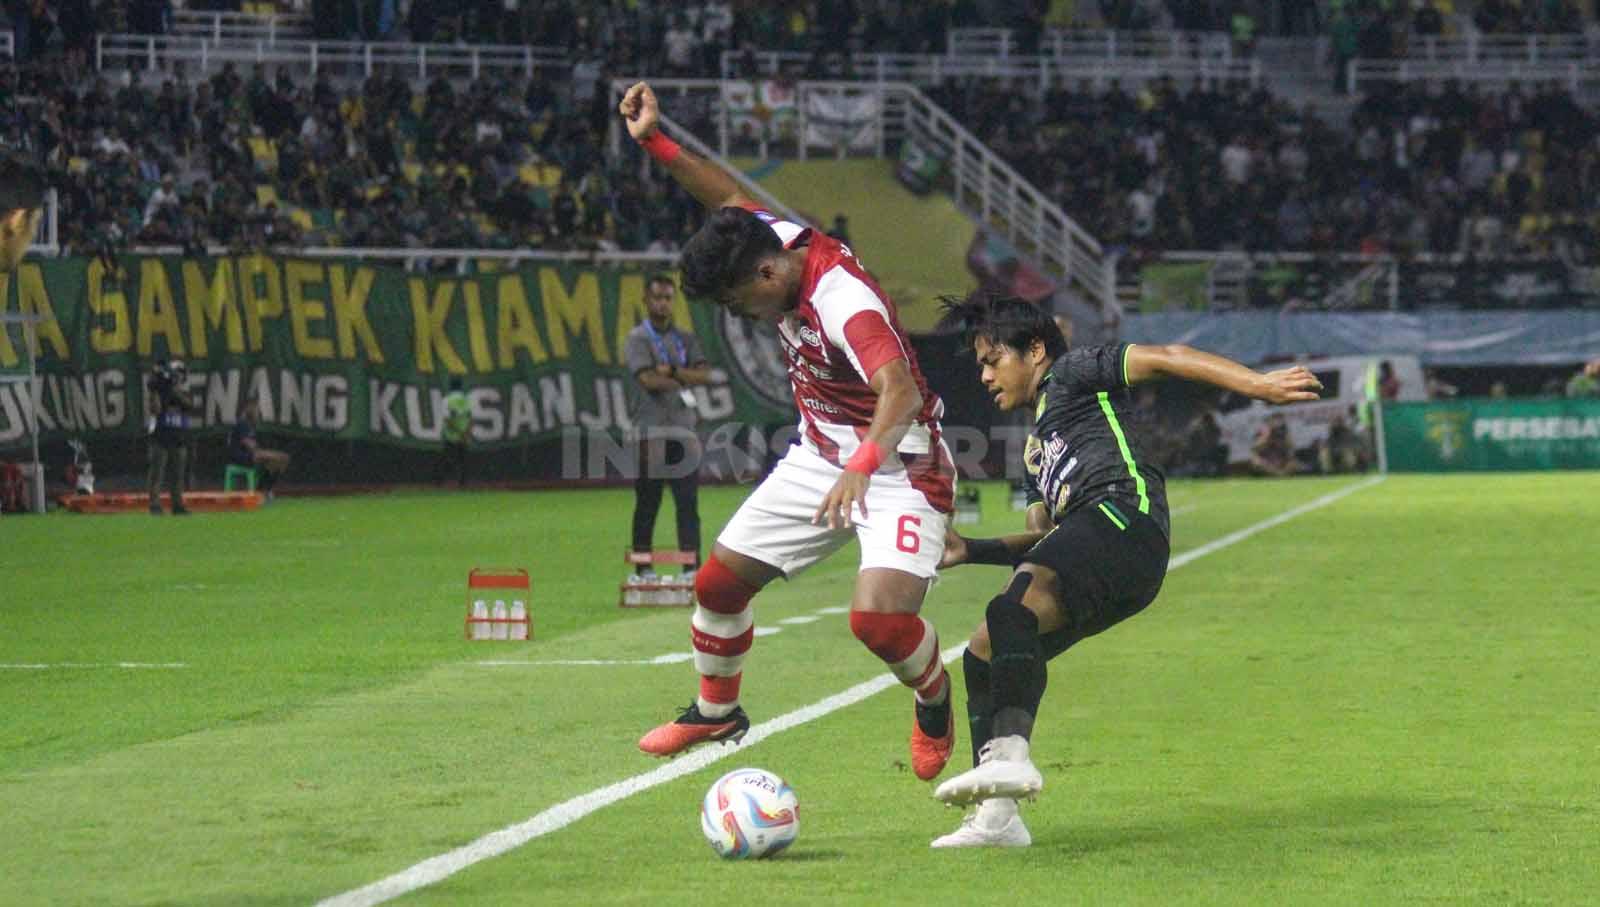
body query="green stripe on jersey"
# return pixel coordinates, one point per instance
(1127, 455)
(1117, 511)
(1113, 517)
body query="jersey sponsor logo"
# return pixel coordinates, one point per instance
(810, 336)
(1043, 460)
(820, 405)
(823, 374)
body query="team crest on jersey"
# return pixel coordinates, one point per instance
(810, 336)
(1043, 461)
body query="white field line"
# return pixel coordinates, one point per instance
(1194, 554)
(436, 869)
(128, 665)
(561, 815)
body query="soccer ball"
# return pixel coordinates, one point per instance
(749, 814)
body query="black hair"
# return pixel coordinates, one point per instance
(1003, 321)
(725, 252)
(22, 182)
(662, 277)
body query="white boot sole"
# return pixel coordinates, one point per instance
(973, 787)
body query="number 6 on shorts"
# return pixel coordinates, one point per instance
(908, 540)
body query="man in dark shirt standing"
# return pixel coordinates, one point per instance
(244, 451)
(169, 406)
(666, 362)
(1097, 546)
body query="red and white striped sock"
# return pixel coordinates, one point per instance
(722, 629)
(910, 646)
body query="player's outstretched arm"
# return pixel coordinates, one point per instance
(708, 183)
(1005, 551)
(1289, 385)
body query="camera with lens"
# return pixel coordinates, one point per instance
(161, 379)
(169, 392)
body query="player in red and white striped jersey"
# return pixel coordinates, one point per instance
(871, 464)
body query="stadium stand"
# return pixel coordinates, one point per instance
(256, 158)
(500, 146)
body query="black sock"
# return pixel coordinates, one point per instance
(980, 704)
(268, 479)
(934, 719)
(1017, 662)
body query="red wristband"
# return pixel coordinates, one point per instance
(866, 458)
(658, 146)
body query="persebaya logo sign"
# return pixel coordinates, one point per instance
(1447, 431)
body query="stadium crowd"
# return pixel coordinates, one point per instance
(679, 32)
(1450, 169)
(252, 158)
(259, 159)
(687, 38)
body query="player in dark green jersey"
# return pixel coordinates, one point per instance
(1096, 548)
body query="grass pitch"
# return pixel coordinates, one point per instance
(1387, 700)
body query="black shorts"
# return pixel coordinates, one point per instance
(1109, 562)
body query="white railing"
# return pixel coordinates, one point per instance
(1504, 48)
(1357, 280)
(1109, 44)
(1093, 44)
(1000, 199)
(464, 260)
(1042, 72)
(419, 61)
(1362, 73)
(223, 25)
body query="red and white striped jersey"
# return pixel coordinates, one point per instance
(844, 329)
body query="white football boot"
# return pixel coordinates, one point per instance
(995, 823)
(1004, 770)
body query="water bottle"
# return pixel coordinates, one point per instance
(499, 616)
(480, 614)
(519, 619)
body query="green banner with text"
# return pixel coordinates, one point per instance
(1483, 434)
(345, 350)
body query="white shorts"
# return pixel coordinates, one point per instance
(902, 529)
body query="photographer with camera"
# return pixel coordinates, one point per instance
(169, 405)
